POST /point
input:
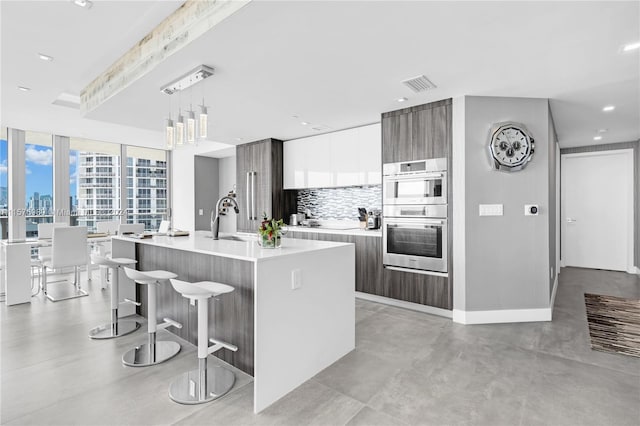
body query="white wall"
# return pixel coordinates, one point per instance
(227, 181)
(183, 184)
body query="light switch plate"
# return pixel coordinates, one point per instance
(200, 212)
(490, 209)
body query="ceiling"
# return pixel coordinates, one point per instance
(334, 64)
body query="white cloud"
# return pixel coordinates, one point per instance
(3, 167)
(72, 159)
(27, 170)
(41, 157)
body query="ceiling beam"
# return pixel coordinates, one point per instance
(191, 20)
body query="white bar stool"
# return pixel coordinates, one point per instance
(204, 384)
(115, 328)
(153, 352)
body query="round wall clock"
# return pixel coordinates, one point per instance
(510, 146)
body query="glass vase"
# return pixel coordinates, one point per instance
(274, 242)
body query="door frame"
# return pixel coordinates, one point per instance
(629, 154)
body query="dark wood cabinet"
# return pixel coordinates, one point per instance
(369, 265)
(259, 183)
(427, 290)
(368, 257)
(399, 129)
(372, 278)
(417, 133)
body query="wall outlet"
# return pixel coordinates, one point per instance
(296, 279)
(531, 210)
(200, 212)
(490, 210)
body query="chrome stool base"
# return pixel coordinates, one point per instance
(69, 291)
(150, 353)
(201, 385)
(112, 330)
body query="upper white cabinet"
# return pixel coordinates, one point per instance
(345, 158)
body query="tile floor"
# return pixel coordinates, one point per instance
(408, 368)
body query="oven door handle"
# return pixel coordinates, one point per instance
(422, 176)
(422, 222)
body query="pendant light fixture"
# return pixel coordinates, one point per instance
(191, 126)
(180, 129)
(203, 122)
(175, 136)
(169, 133)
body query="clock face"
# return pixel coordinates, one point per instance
(510, 147)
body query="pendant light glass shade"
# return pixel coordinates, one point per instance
(191, 127)
(180, 130)
(203, 121)
(169, 133)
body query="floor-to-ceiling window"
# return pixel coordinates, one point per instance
(38, 181)
(146, 186)
(100, 188)
(4, 186)
(94, 182)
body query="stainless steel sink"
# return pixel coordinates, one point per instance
(231, 238)
(236, 237)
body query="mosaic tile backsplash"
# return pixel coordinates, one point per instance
(339, 203)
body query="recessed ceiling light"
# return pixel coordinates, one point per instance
(608, 108)
(402, 99)
(238, 139)
(631, 46)
(83, 3)
(603, 130)
(304, 123)
(24, 89)
(597, 138)
(45, 57)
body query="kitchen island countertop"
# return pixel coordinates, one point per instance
(247, 249)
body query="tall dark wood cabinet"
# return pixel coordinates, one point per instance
(259, 185)
(417, 133)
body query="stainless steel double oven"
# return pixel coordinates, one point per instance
(415, 216)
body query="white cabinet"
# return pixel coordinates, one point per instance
(345, 158)
(370, 144)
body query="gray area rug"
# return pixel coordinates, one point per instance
(614, 324)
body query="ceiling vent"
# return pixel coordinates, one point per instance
(189, 79)
(419, 84)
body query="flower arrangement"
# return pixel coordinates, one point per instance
(270, 232)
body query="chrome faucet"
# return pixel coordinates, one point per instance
(215, 221)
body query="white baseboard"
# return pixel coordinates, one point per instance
(501, 316)
(402, 304)
(634, 270)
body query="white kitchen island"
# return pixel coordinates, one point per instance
(292, 313)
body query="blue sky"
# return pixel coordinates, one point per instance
(39, 165)
(39, 169)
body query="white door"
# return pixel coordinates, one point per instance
(597, 210)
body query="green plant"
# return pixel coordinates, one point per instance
(270, 228)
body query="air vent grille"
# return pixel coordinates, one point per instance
(419, 84)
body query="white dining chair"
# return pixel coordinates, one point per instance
(108, 227)
(103, 248)
(68, 249)
(45, 232)
(130, 228)
(164, 227)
